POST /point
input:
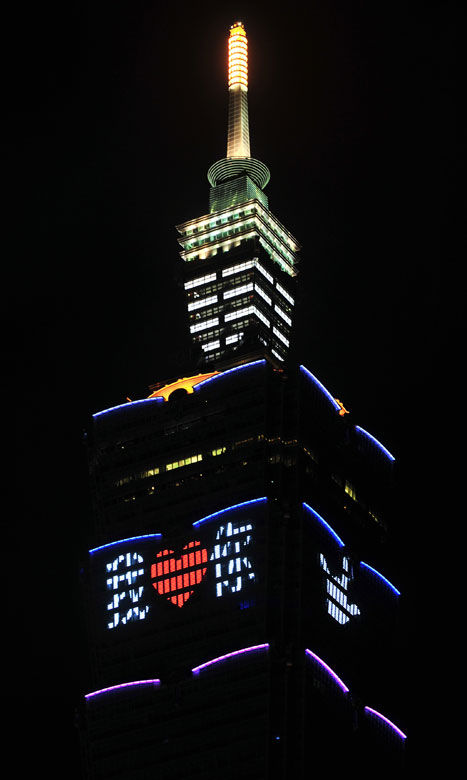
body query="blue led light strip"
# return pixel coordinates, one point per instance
(387, 721)
(324, 524)
(229, 509)
(370, 568)
(130, 403)
(375, 441)
(320, 387)
(328, 669)
(122, 685)
(252, 649)
(129, 539)
(229, 371)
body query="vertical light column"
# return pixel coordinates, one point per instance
(238, 133)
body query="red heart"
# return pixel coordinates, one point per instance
(177, 587)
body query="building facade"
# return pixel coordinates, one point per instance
(241, 618)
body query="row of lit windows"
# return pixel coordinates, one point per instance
(171, 466)
(211, 345)
(158, 469)
(154, 471)
(257, 221)
(352, 493)
(209, 312)
(198, 304)
(254, 263)
(212, 223)
(272, 243)
(280, 336)
(204, 325)
(237, 314)
(273, 459)
(247, 265)
(200, 280)
(282, 314)
(244, 288)
(256, 208)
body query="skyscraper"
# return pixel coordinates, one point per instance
(239, 619)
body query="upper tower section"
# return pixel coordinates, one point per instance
(238, 163)
(240, 262)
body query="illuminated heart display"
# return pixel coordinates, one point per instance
(174, 577)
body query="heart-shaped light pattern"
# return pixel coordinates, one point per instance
(174, 577)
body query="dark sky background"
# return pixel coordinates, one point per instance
(115, 112)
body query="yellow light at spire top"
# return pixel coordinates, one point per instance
(238, 56)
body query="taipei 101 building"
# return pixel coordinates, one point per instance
(242, 610)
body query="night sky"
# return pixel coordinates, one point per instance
(115, 113)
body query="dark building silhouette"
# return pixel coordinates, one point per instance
(240, 624)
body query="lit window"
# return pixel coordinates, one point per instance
(239, 267)
(200, 280)
(244, 288)
(212, 345)
(350, 490)
(261, 292)
(282, 314)
(234, 338)
(202, 302)
(235, 315)
(284, 293)
(204, 325)
(261, 316)
(184, 462)
(262, 270)
(280, 336)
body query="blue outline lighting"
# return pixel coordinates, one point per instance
(228, 509)
(378, 574)
(122, 541)
(229, 371)
(320, 387)
(130, 403)
(375, 441)
(324, 523)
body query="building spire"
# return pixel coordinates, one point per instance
(238, 161)
(238, 134)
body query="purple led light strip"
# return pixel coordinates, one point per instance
(387, 721)
(122, 685)
(375, 441)
(229, 509)
(229, 371)
(328, 669)
(130, 403)
(198, 669)
(320, 387)
(121, 541)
